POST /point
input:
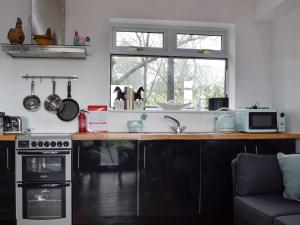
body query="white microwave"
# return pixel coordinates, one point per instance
(260, 120)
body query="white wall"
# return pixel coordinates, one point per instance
(92, 17)
(274, 9)
(286, 72)
(262, 8)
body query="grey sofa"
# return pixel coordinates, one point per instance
(258, 188)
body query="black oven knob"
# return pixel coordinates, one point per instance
(40, 144)
(282, 115)
(33, 144)
(53, 143)
(46, 144)
(59, 144)
(66, 143)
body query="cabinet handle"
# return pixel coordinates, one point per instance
(7, 159)
(256, 149)
(145, 151)
(245, 149)
(78, 155)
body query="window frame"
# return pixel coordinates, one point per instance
(195, 52)
(170, 49)
(169, 43)
(123, 50)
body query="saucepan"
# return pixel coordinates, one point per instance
(32, 102)
(53, 103)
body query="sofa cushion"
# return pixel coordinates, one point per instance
(290, 168)
(258, 174)
(262, 209)
(287, 220)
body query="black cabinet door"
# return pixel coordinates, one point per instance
(105, 180)
(7, 183)
(216, 178)
(169, 178)
(273, 146)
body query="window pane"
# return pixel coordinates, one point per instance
(198, 77)
(139, 39)
(135, 71)
(195, 41)
(188, 79)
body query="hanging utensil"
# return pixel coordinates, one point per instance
(53, 103)
(71, 107)
(32, 102)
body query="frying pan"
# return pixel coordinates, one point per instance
(71, 107)
(32, 102)
(53, 103)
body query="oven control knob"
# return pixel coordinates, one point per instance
(282, 115)
(46, 143)
(40, 144)
(59, 144)
(53, 143)
(66, 143)
(33, 144)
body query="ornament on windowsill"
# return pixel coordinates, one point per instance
(139, 105)
(119, 101)
(138, 100)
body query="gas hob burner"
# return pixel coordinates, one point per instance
(44, 141)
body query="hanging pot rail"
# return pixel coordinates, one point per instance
(50, 77)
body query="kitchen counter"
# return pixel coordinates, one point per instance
(8, 137)
(184, 136)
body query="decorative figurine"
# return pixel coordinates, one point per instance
(138, 100)
(44, 39)
(80, 40)
(119, 101)
(16, 35)
(138, 94)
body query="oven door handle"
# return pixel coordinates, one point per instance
(43, 153)
(33, 185)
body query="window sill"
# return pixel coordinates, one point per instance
(152, 110)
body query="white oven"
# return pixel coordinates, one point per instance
(43, 180)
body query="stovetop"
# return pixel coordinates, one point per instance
(44, 141)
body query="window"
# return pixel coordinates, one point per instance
(169, 63)
(139, 39)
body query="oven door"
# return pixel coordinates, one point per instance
(43, 203)
(43, 166)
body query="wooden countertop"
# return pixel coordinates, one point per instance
(185, 136)
(8, 137)
(168, 136)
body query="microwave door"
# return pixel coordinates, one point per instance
(263, 121)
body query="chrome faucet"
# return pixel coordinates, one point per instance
(177, 129)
